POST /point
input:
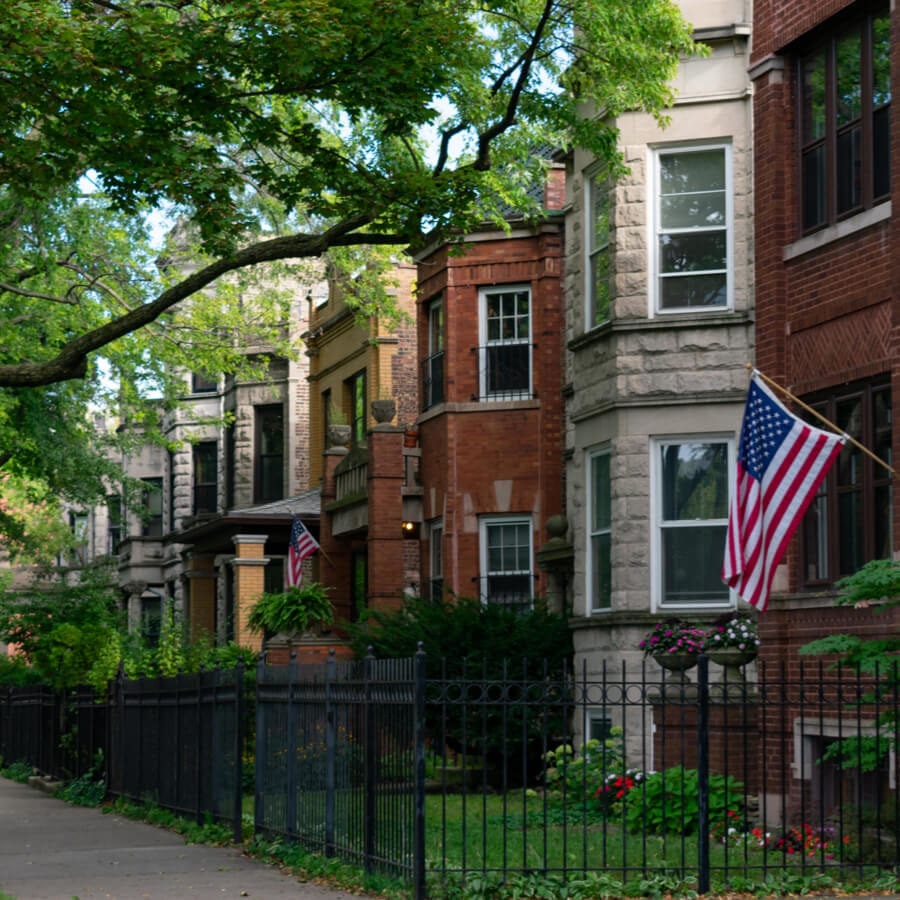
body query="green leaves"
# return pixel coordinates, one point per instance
(295, 609)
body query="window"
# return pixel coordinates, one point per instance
(845, 96)
(692, 224)
(598, 725)
(690, 485)
(203, 384)
(152, 508)
(273, 578)
(849, 521)
(356, 400)
(597, 207)
(269, 480)
(114, 513)
(433, 365)
(359, 583)
(205, 470)
(230, 465)
(436, 560)
(600, 519)
(505, 354)
(506, 562)
(78, 525)
(151, 618)
(171, 490)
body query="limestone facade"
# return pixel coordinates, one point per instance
(656, 372)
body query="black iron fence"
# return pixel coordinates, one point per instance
(60, 735)
(336, 750)
(503, 771)
(178, 743)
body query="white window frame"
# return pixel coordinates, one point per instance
(485, 523)
(594, 183)
(483, 392)
(655, 229)
(591, 533)
(657, 525)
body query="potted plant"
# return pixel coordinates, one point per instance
(732, 642)
(674, 644)
(296, 609)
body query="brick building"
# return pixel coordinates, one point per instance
(362, 394)
(490, 321)
(826, 146)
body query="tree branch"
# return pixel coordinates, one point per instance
(71, 361)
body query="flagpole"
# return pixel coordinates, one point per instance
(821, 418)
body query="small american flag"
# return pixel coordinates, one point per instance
(302, 544)
(781, 463)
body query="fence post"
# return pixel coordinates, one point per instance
(238, 751)
(330, 754)
(261, 748)
(371, 771)
(291, 767)
(703, 774)
(419, 787)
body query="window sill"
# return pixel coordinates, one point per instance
(843, 229)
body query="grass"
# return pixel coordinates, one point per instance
(500, 844)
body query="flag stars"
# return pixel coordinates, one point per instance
(765, 428)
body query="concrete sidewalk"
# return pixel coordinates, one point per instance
(50, 850)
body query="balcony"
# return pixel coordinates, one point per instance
(504, 371)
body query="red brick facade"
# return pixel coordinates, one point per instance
(825, 300)
(491, 457)
(825, 312)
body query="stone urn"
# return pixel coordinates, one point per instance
(338, 435)
(383, 411)
(676, 686)
(733, 660)
(676, 662)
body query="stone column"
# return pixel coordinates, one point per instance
(135, 590)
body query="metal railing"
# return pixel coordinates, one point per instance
(501, 769)
(504, 371)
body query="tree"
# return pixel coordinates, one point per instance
(297, 119)
(273, 132)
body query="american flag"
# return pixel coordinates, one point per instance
(781, 463)
(302, 544)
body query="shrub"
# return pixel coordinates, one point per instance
(594, 777)
(667, 802)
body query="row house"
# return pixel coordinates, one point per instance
(362, 398)
(490, 319)
(659, 329)
(210, 531)
(827, 272)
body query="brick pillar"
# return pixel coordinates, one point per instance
(202, 597)
(249, 579)
(386, 542)
(335, 552)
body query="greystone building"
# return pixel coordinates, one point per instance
(659, 296)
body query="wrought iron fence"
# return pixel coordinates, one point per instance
(178, 743)
(509, 769)
(61, 735)
(336, 750)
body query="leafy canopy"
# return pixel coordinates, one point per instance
(273, 133)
